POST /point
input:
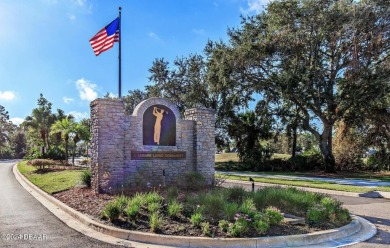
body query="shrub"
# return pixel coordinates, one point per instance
(33, 153)
(138, 199)
(155, 221)
(316, 214)
(230, 209)
(153, 197)
(261, 222)
(214, 205)
(172, 194)
(86, 178)
(307, 162)
(289, 200)
(240, 226)
(342, 216)
(132, 210)
(274, 215)
(112, 210)
(190, 205)
(223, 225)
(378, 161)
(7, 153)
(330, 204)
(236, 194)
(248, 206)
(154, 207)
(174, 209)
(192, 181)
(122, 201)
(55, 153)
(261, 226)
(196, 219)
(205, 226)
(41, 163)
(255, 156)
(134, 205)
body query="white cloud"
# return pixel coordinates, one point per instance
(86, 89)
(80, 3)
(7, 95)
(16, 120)
(112, 95)
(79, 115)
(153, 36)
(256, 6)
(199, 31)
(67, 100)
(72, 17)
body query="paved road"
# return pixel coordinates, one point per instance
(354, 182)
(21, 215)
(377, 211)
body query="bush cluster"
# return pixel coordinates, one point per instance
(379, 161)
(305, 162)
(327, 210)
(86, 178)
(55, 153)
(192, 181)
(41, 163)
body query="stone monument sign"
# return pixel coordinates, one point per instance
(151, 147)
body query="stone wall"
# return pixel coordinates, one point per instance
(114, 135)
(204, 141)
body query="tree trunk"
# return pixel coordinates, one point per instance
(294, 142)
(66, 151)
(326, 150)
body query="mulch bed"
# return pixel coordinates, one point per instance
(87, 202)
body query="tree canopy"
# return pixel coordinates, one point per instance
(327, 57)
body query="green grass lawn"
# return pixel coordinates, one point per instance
(233, 156)
(51, 182)
(377, 176)
(225, 157)
(311, 184)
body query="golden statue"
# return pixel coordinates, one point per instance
(157, 126)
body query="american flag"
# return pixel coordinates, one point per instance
(105, 38)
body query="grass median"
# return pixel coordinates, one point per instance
(309, 184)
(52, 181)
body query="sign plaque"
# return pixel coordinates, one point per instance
(162, 155)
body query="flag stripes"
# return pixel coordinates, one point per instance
(105, 38)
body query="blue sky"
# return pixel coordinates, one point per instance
(45, 46)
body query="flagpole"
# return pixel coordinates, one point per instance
(119, 57)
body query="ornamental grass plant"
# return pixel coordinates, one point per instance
(231, 212)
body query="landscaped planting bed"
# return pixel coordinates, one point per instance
(190, 209)
(216, 212)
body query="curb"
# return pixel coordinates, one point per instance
(358, 230)
(372, 194)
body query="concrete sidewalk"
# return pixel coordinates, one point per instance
(352, 182)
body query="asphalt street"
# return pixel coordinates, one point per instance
(24, 222)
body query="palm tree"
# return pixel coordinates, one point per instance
(64, 127)
(41, 119)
